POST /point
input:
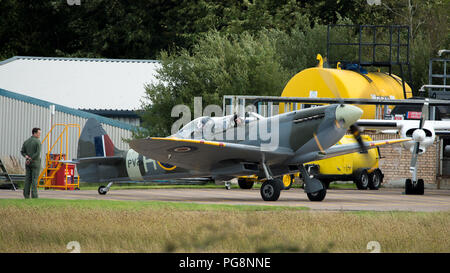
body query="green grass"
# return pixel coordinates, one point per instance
(43, 203)
(342, 186)
(132, 226)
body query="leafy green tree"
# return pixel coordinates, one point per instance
(220, 64)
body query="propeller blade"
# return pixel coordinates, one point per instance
(357, 135)
(425, 112)
(329, 81)
(415, 154)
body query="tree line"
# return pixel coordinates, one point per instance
(210, 48)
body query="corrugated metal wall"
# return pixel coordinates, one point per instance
(18, 118)
(132, 121)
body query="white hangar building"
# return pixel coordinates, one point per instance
(43, 91)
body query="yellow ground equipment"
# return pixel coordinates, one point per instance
(361, 168)
(320, 82)
(57, 174)
(246, 182)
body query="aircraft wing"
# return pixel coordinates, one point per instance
(342, 149)
(202, 155)
(380, 124)
(441, 127)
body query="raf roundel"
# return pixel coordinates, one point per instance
(183, 149)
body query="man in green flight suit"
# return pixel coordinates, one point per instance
(31, 150)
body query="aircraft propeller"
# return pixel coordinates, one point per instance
(419, 136)
(354, 130)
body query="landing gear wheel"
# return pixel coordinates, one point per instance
(288, 179)
(270, 190)
(362, 179)
(418, 188)
(245, 183)
(318, 195)
(408, 187)
(375, 179)
(102, 190)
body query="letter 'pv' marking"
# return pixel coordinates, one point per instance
(133, 165)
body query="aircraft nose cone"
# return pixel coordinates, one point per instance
(348, 113)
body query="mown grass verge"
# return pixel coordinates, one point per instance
(132, 226)
(43, 203)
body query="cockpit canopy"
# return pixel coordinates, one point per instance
(213, 125)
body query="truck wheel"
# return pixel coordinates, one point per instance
(288, 179)
(362, 179)
(326, 183)
(245, 183)
(375, 179)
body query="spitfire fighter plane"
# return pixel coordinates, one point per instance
(227, 147)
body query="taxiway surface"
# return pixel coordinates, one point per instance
(381, 200)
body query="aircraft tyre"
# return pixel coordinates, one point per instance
(420, 187)
(408, 186)
(102, 190)
(361, 179)
(245, 183)
(270, 190)
(375, 179)
(318, 195)
(417, 189)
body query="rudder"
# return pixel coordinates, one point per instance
(94, 141)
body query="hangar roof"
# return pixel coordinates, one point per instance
(65, 109)
(80, 82)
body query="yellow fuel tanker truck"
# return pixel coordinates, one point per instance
(361, 168)
(320, 82)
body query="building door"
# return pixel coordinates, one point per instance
(445, 156)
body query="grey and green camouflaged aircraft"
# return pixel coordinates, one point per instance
(223, 148)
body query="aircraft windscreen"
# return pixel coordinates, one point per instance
(213, 125)
(192, 127)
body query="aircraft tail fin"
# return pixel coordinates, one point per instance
(95, 142)
(98, 160)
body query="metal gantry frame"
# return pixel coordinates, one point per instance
(395, 44)
(438, 88)
(438, 81)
